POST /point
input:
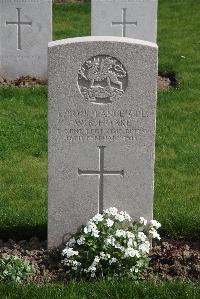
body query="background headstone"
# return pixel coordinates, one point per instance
(25, 30)
(102, 111)
(126, 18)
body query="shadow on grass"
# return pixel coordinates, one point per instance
(24, 232)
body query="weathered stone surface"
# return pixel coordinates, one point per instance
(25, 30)
(128, 18)
(102, 110)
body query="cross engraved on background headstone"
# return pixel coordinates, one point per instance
(123, 23)
(101, 172)
(19, 23)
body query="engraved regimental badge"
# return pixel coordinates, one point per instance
(102, 79)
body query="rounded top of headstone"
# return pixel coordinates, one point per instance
(87, 39)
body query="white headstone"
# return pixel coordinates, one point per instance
(126, 18)
(102, 111)
(25, 30)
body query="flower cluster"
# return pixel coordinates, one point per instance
(110, 244)
(14, 268)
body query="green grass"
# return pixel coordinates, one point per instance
(23, 127)
(23, 164)
(103, 289)
(177, 176)
(71, 20)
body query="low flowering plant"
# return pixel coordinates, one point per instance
(110, 244)
(14, 268)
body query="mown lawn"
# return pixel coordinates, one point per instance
(23, 129)
(103, 290)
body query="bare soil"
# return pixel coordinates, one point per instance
(175, 259)
(68, 1)
(164, 82)
(24, 81)
(169, 259)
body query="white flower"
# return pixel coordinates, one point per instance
(142, 236)
(95, 233)
(143, 221)
(75, 265)
(69, 252)
(81, 241)
(118, 246)
(92, 268)
(154, 233)
(104, 256)
(91, 228)
(91, 225)
(112, 260)
(155, 224)
(134, 269)
(127, 241)
(120, 217)
(127, 216)
(71, 242)
(130, 235)
(120, 233)
(67, 262)
(139, 263)
(111, 211)
(145, 247)
(130, 252)
(97, 218)
(130, 243)
(110, 241)
(96, 260)
(109, 223)
(85, 230)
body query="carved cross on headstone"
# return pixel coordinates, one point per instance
(101, 172)
(19, 23)
(123, 23)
